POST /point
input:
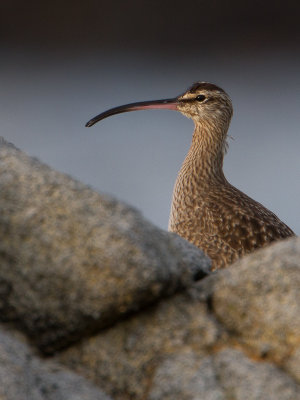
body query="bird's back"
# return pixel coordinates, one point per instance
(224, 222)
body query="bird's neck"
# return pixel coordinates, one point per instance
(201, 171)
(204, 161)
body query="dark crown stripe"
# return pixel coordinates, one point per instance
(204, 85)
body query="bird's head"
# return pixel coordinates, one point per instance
(203, 102)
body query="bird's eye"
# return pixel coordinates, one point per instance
(200, 97)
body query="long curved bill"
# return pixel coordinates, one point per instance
(167, 104)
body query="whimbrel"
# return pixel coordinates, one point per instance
(206, 209)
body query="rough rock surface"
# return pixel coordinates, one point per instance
(252, 306)
(228, 374)
(126, 356)
(74, 261)
(258, 299)
(84, 266)
(24, 376)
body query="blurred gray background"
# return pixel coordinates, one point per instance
(62, 62)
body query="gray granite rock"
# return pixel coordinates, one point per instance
(244, 379)
(24, 376)
(227, 374)
(159, 352)
(292, 364)
(186, 376)
(122, 359)
(258, 299)
(74, 261)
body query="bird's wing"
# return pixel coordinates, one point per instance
(241, 222)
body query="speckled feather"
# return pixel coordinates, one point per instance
(206, 209)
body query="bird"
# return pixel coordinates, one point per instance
(206, 209)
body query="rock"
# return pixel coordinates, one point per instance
(186, 376)
(228, 374)
(116, 299)
(244, 379)
(292, 364)
(258, 299)
(159, 352)
(74, 261)
(24, 376)
(122, 359)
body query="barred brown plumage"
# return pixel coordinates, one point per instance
(206, 209)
